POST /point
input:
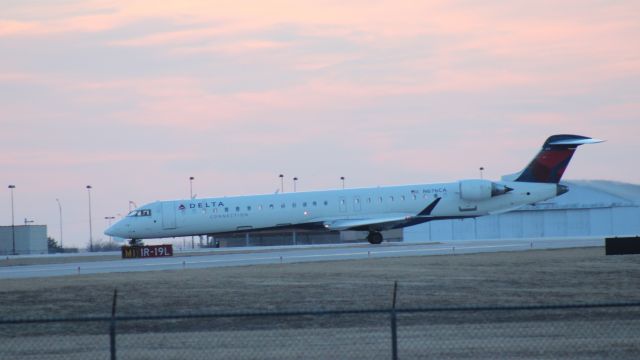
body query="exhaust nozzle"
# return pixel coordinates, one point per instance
(561, 189)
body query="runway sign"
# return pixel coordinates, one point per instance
(131, 252)
(622, 245)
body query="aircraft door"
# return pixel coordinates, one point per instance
(343, 204)
(356, 204)
(168, 215)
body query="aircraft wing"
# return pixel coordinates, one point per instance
(368, 223)
(384, 222)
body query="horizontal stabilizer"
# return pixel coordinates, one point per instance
(576, 142)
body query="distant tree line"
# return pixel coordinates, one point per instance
(104, 245)
(54, 248)
(98, 246)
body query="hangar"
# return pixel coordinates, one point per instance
(595, 208)
(29, 239)
(591, 208)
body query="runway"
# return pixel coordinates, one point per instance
(290, 254)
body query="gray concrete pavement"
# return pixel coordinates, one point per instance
(286, 255)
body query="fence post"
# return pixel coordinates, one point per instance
(394, 328)
(112, 328)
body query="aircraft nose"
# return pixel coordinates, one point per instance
(115, 230)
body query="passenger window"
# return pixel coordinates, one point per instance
(283, 205)
(293, 205)
(259, 207)
(237, 208)
(341, 202)
(380, 199)
(402, 197)
(356, 201)
(391, 198)
(226, 209)
(369, 200)
(248, 208)
(326, 203)
(270, 206)
(415, 197)
(304, 204)
(314, 203)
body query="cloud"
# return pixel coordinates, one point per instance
(77, 24)
(11, 27)
(135, 96)
(66, 159)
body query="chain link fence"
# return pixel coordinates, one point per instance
(595, 331)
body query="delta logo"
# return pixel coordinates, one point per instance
(210, 204)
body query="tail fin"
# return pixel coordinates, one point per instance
(551, 162)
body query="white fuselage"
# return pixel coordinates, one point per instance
(379, 208)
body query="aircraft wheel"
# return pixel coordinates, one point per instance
(374, 237)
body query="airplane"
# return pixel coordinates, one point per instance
(362, 209)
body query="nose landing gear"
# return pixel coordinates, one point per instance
(374, 237)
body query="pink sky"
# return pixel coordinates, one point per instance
(133, 97)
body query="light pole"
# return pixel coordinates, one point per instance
(481, 170)
(281, 176)
(295, 181)
(110, 218)
(342, 178)
(191, 178)
(13, 226)
(90, 226)
(60, 211)
(27, 221)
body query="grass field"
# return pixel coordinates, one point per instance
(534, 277)
(531, 277)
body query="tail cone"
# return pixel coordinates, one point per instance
(561, 189)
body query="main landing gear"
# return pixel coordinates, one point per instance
(374, 237)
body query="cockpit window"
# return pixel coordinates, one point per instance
(142, 212)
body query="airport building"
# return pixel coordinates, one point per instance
(298, 237)
(29, 239)
(589, 209)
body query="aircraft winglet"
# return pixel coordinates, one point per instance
(427, 211)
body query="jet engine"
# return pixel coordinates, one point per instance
(478, 190)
